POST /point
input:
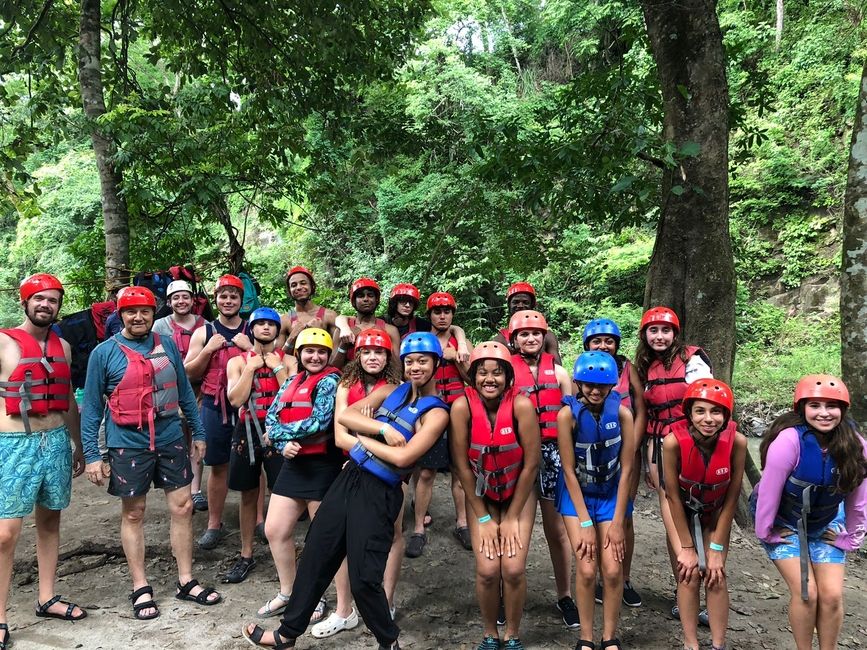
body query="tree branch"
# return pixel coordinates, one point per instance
(33, 28)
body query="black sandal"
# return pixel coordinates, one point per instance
(254, 638)
(7, 637)
(584, 643)
(202, 598)
(42, 610)
(148, 604)
(611, 643)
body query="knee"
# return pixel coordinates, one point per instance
(830, 600)
(585, 572)
(612, 575)
(8, 537)
(514, 574)
(134, 515)
(426, 476)
(182, 509)
(488, 576)
(276, 531)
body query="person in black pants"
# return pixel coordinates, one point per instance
(356, 518)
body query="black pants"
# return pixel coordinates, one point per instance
(355, 520)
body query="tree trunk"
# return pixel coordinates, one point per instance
(778, 37)
(114, 213)
(853, 281)
(692, 267)
(236, 250)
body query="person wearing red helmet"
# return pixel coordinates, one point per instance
(521, 296)
(703, 469)
(494, 440)
(211, 348)
(38, 422)
(142, 375)
(301, 288)
(364, 296)
(810, 505)
(402, 304)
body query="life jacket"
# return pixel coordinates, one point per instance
(99, 312)
(148, 389)
(350, 353)
(704, 483)
(597, 444)
(39, 383)
(450, 384)
(411, 327)
(623, 385)
(181, 336)
(397, 411)
(358, 391)
(262, 392)
(544, 392)
(293, 315)
(215, 380)
(811, 487)
(664, 391)
(495, 454)
(296, 404)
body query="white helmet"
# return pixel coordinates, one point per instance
(178, 285)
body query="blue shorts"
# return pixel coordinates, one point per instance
(218, 436)
(600, 508)
(35, 469)
(821, 552)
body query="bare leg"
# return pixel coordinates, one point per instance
(10, 530)
(802, 615)
(180, 506)
(688, 602)
(198, 470)
(344, 592)
(423, 495)
(218, 489)
(829, 609)
(558, 547)
(283, 514)
(395, 557)
(132, 540)
(585, 580)
(247, 520)
(612, 583)
(718, 609)
(260, 502)
(513, 571)
(488, 577)
(47, 546)
(460, 502)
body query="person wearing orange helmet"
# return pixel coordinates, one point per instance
(810, 505)
(142, 375)
(38, 426)
(301, 288)
(703, 461)
(495, 453)
(519, 297)
(211, 348)
(364, 296)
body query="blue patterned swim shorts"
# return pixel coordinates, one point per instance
(821, 551)
(35, 468)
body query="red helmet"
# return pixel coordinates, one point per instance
(526, 319)
(363, 283)
(39, 282)
(229, 280)
(406, 289)
(490, 350)
(710, 390)
(373, 338)
(441, 299)
(521, 287)
(659, 316)
(821, 387)
(135, 297)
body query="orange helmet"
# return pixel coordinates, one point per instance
(821, 387)
(521, 287)
(363, 283)
(710, 390)
(229, 280)
(490, 350)
(39, 282)
(526, 320)
(441, 299)
(373, 338)
(405, 289)
(135, 297)
(659, 316)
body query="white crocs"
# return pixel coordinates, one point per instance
(334, 624)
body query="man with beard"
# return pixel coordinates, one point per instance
(254, 379)
(301, 287)
(211, 348)
(38, 417)
(142, 375)
(364, 295)
(179, 326)
(520, 297)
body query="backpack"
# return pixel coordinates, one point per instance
(251, 294)
(156, 281)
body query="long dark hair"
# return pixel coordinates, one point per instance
(354, 372)
(646, 355)
(845, 445)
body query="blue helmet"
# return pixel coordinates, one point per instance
(421, 342)
(599, 327)
(595, 368)
(264, 313)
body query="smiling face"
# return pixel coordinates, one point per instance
(137, 321)
(181, 302)
(659, 337)
(300, 287)
(228, 302)
(372, 360)
(823, 415)
(707, 418)
(42, 307)
(529, 341)
(419, 368)
(490, 381)
(594, 394)
(313, 358)
(603, 343)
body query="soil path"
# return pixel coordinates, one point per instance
(435, 598)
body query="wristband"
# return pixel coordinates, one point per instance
(587, 524)
(382, 430)
(716, 547)
(341, 350)
(485, 519)
(277, 369)
(690, 546)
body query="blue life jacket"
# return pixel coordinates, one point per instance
(810, 495)
(398, 412)
(597, 444)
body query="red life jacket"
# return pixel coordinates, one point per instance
(297, 404)
(215, 381)
(450, 384)
(358, 391)
(623, 385)
(40, 382)
(265, 387)
(181, 336)
(703, 485)
(350, 353)
(410, 328)
(544, 392)
(148, 389)
(495, 454)
(293, 315)
(664, 391)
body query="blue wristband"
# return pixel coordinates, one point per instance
(587, 524)
(485, 519)
(716, 547)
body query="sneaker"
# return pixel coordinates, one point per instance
(675, 612)
(240, 571)
(570, 613)
(200, 502)
(334, 624)
(211, 538)
(393, 646)
(501, 614)
(462, 534)
(392, 611)
(514, 644)
(489, 643)
(598, 595)
(703, 618)
(630, 596)
(415, 545)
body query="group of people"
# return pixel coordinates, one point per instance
(338, 417)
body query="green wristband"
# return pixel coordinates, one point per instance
(587, 524)
(716, 547)
(485, 519)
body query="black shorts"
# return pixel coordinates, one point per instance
(133, 470)
(308, 477)
(244, 475)
(218, 435)
(438, 456)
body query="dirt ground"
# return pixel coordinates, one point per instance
(435, 598)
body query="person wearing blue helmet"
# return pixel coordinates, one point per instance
(253, 380)
(356, 518)
(603, 334)
(597, 453)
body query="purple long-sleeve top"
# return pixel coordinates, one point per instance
(783, 456)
